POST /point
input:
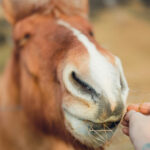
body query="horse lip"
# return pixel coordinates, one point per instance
(94, 125)
(106, 125)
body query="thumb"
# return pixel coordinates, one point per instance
(129, 115)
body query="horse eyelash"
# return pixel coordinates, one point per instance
(91, 33)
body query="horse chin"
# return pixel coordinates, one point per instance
(91, 134)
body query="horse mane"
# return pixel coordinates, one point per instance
(55, 7)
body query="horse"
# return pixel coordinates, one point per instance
(60, 90)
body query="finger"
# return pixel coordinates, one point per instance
(125, 131)
(125, 123)
(134, 107)
(145, 108)
(128, 116)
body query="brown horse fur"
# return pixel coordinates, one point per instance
(31, 89)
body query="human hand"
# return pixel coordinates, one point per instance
(137, 126)
(142, 108)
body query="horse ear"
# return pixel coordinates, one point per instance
(74, 7)
(18, 9)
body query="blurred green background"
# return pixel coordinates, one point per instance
(123, 27)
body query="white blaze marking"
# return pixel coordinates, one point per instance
(102, 72)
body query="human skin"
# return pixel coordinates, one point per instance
(136, 124)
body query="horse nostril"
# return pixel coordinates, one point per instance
(79, 81)
(83, 86)
(123, 82)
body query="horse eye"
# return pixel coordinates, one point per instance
(91, 33)
(24, 40)
(27, 36)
